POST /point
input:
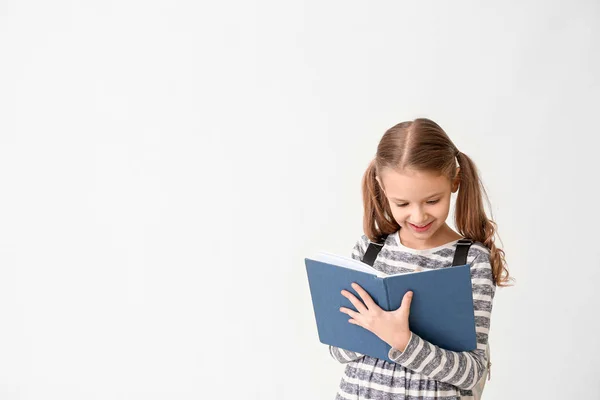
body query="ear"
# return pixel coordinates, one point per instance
(456, 181)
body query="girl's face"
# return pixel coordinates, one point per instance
(420, 203)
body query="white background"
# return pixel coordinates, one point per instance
(165, 167)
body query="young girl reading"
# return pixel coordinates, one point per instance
(406, 193)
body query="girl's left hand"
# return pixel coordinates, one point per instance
(390, 326)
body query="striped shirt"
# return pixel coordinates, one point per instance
(423, 370)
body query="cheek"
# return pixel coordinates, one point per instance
(399, 214)
(442, 211)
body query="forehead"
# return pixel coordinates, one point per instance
(413, 185)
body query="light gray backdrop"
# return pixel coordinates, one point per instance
(165, 167)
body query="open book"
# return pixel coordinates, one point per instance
(441, 309)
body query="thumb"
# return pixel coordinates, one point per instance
(406, 301)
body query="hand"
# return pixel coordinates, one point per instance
(390, 326)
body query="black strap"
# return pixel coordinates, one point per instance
(462, 249)
(373, 250)
(460, 255)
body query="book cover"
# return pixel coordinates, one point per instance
(441, 309)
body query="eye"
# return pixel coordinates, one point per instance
(431, 202)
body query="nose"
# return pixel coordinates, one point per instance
(419, 216)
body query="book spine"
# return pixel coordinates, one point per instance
(387, 294)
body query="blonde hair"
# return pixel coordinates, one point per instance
(423, 145)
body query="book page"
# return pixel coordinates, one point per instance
(346, 262)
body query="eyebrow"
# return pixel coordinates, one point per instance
(406, 201)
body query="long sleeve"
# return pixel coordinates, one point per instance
(341, 355)
(344, 356)
(461, 369)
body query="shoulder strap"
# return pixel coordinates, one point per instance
(462, 249)
(460, 255)
(373, 250)
(460, 258)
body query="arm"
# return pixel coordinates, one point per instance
(344, 356)
(341, 355)
(461, 369)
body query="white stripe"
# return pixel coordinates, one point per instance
(343, 395)
(480, 266)
(452, 372)
(427, 359)
(482, 281)
(483, 313)
(398, 263)
(415, 352)
(482, 329)
(345, 355)
(339, 355)
(388, 372)
(482, 297)
(394, 390)
(437, 258)
(441, 366)
(467, 370)
(374, 369)
(420, 252)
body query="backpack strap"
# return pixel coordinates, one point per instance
(373, 250)
(460, 255)
(460, 258)
(462, 249)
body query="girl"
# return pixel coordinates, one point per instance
(406, 194)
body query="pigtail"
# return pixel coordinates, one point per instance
(376, 218)
(472, 221)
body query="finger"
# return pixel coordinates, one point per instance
(350, 312)
(406, 302)
(355, 302)
(365, 297)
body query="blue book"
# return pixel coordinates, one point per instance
(441, 311)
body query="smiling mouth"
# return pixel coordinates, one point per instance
(421, 226)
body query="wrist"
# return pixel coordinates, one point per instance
(401, 341)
